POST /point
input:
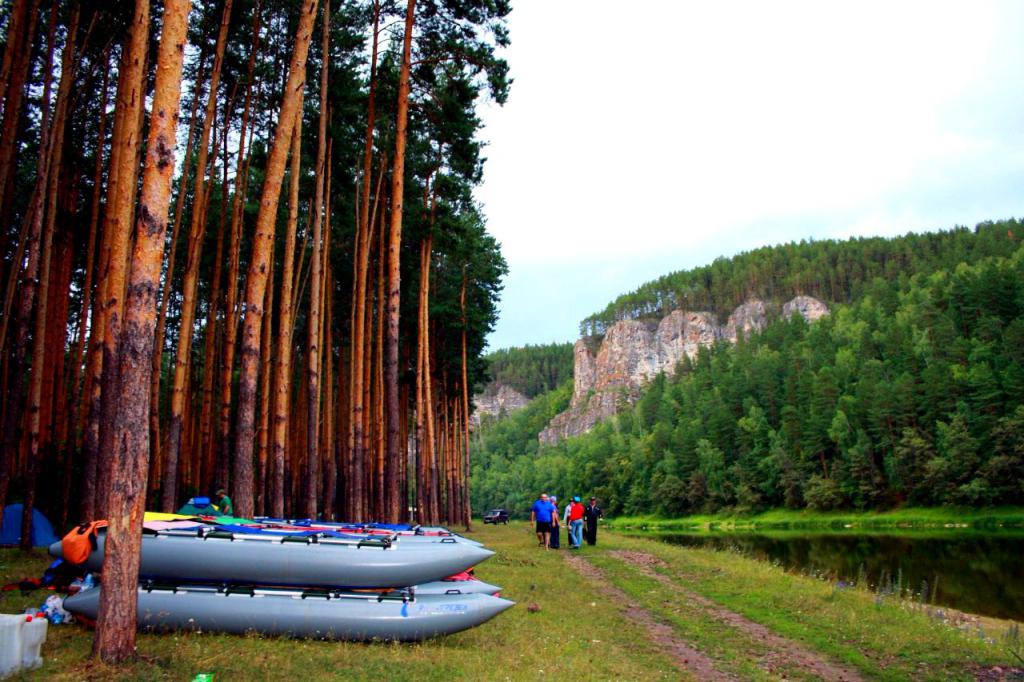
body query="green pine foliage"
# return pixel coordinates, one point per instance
(913, 393)
(834, 271)
(530, 369)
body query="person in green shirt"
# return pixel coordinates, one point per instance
(224, 502)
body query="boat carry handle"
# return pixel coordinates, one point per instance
(316, 594)
(301, 539)
(450, 541)
(391, 596)
(152, 585)
(219, 535)
(382, 543)
(247, 590)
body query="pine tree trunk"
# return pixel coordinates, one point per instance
(364, 229)
(467, 517)
(316, 287)
(55, 149)
(380, 417)
(117, 228)
(283, 366)
(78, 353)
(266, 373)
(116, 624)
(197, 232)
(213, 469)
(21, 31)
(394, 446)
(165, 296)
(231, 299)
(263, 244)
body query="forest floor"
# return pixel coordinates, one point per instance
(910, 517)
(629, 608)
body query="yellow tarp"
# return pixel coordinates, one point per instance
(160, 516)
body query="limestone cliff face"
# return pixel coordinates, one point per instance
(634, 351)
(750, 317)
(497, 399)
(584, 373)
(811, 308)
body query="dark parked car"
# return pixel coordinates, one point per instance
(496, 516)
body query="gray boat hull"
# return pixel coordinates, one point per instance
(288, 614)
(269, 561)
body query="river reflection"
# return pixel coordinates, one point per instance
(975, 572)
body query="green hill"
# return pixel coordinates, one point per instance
(912, 391)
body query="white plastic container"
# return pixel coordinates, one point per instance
(21, 638)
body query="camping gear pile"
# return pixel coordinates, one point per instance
(299, 578)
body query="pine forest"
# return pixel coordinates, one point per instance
(240, 250)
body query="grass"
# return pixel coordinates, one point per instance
(909, 517)
(576, 632)
(883, 638)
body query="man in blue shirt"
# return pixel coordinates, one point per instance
(541, 513)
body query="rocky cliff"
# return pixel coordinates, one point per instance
(635, 351)
(497, 399)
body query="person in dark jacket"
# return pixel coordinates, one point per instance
(555, 540)
(590, 516)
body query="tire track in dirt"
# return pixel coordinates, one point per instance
(682, 655)
(782, 650)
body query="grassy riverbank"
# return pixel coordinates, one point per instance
(911, 517)
(718, 603)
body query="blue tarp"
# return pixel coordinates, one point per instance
(10, 531)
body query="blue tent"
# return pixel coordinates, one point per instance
(42, 529)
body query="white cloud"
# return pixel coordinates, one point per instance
(641, 130)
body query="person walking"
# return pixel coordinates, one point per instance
(540, 514)
(555, 541)
(590, 516)
(574, 522)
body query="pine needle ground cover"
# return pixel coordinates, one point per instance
(567, 624)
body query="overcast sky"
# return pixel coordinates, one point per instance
(646, 137)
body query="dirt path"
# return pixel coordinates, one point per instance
(684, 656)
(783, 651)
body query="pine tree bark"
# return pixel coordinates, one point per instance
(263, 244)
(394, 446)
(266, 373)
(116, 624)
(197, 232)
(117, 228)
(55, 149)
(165, 295)
(20, 34)
(364, 229)
(312, 476)
(283, 366)
(467, 518)
(231, 297)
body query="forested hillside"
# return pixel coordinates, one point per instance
(912, 393)
(531, 370)
(833, 271)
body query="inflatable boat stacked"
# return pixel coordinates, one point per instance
(301, 579)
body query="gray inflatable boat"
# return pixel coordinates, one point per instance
(306, 561)
(308, 614)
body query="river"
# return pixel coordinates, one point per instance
(975, 571)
